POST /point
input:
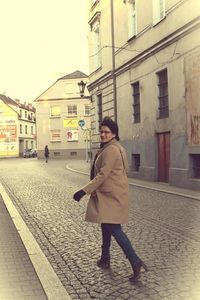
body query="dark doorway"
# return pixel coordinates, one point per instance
(163, 156)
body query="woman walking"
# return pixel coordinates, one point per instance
(46, 153)
(108, 203)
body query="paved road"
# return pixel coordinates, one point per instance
(164, 229)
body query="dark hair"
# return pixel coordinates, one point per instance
(112, 125)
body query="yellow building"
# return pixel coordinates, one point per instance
(17, 127)
(9, 146)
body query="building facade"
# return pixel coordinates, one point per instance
(17, 127)
(63, 119)
(27, 127)
(145, 74)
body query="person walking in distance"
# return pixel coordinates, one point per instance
(46, 153)
(109, 200)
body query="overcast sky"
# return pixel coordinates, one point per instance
(40, 41)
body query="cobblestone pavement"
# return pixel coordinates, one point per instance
(164, 229)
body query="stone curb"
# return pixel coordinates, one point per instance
(47, 276)
(147, 187)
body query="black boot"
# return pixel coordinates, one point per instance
(104, 262)
(137, 271)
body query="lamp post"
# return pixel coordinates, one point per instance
(86, 131)
(81, 86)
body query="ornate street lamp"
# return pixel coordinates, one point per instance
(81, 86)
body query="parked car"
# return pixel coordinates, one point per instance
(29, 153)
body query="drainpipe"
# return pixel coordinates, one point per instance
(113, 59)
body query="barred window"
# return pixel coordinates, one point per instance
(99, 110)
(163, 94)
(195, 161)
(136, 102)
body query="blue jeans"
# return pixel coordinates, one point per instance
(115, 230)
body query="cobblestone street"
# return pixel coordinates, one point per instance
(164, 229)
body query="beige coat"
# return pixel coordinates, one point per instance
(110, 205)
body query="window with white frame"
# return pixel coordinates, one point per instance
(72, 110)
(95, 47)
(55, 111)
(55, 135)
(132, 20)
(158, 10)
(87, 110)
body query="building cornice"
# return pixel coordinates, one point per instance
(64, 99)
(100, 80)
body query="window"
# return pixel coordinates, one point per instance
(26, 144)
(20, 128)
(132, 22)
(195, 165)
(55, 111)
(99, 111)
(136, 102)
(56, 154)
(20, 113)
(26, 129)
(55, 135)
(87, 110)
(26, 114)
(135, 162)
(31, 129)
(95, 43)
(163, 94)
(73, 153)
(31, 144)
(158, 10)
(72, 110)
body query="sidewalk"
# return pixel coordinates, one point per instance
(83, 167)
(25, 272)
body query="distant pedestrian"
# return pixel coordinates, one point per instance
(46, 153)
(109, 200)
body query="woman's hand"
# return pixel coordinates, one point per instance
(78, 195)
